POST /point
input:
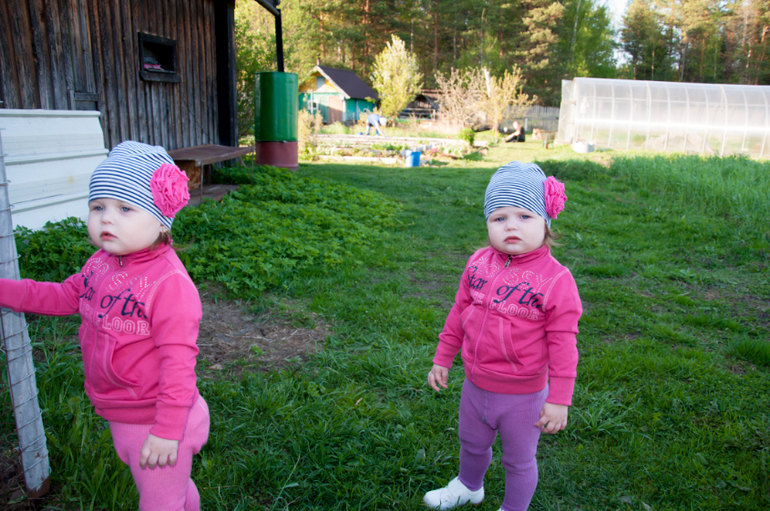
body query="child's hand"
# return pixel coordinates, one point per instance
(158, 451)
(553, 418)
(439, 375)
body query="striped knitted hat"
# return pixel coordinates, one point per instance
(524, 185)
(144, 176)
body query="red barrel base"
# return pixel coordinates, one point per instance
(278, 154)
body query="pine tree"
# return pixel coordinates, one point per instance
(534, 48)
(648, 42)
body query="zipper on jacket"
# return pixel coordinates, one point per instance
(120, 261)
(486, 313)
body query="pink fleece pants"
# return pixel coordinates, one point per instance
(482, 415)
(164, 488)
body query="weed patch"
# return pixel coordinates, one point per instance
(279, 229)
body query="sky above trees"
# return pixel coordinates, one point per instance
(617, 9)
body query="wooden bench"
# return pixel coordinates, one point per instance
(193, 159)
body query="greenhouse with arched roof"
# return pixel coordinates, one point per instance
(709, 119)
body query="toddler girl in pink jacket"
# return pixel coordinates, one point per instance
(514, 320)
(140, 314)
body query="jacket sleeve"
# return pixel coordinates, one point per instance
(176, 316)
(49, 298)
(562, 312)
(451, 338)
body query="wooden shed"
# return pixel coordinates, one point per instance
(424, 106)
(160, 72)
(339, 95)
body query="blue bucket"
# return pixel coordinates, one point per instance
(412, 159)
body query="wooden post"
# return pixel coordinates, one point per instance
(18, 354)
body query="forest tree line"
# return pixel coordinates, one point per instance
(711, 41)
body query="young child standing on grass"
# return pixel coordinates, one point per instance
(140, 314)
(515, 320)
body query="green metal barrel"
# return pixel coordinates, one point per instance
(275, 107)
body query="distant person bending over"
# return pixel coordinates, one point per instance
(375, 121)
(518, 133)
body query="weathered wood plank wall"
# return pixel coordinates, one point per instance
(55, 51)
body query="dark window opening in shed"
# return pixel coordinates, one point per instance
(158, 59)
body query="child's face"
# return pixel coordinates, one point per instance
(515, 230)
(121, 228)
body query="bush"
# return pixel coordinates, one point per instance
(468, 135)
(336, 129)
(307, 126)
(55, 252)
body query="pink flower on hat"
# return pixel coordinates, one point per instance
(169, 189)
(554, 196)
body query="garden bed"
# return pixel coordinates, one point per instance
(392, 150)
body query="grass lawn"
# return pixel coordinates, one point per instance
(672, 405)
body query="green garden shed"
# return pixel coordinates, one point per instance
(340, 95)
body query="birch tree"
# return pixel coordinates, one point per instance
(396, 77)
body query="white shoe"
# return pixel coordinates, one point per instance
(453, 494)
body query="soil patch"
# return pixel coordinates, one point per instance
(232, 339)
(12, 495)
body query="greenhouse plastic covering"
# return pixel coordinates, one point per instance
(666, 116)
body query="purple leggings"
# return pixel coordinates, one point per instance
(482, 415)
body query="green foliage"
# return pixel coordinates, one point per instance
(390, 146)
(468, 135)
(255, 52)
(756, 351)
(648, 42)
(442, 35)
(534, 48)
(280, 228)
(396, 77)
(586, 40)
(55, 252)
(693, 41)
(336, 128)
(308, 125)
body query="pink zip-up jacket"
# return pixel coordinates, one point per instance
(515, 318)
(140, 316)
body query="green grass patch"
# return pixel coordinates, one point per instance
(756, 351)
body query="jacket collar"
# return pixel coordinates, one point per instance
(137, 257)
(520, 259)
